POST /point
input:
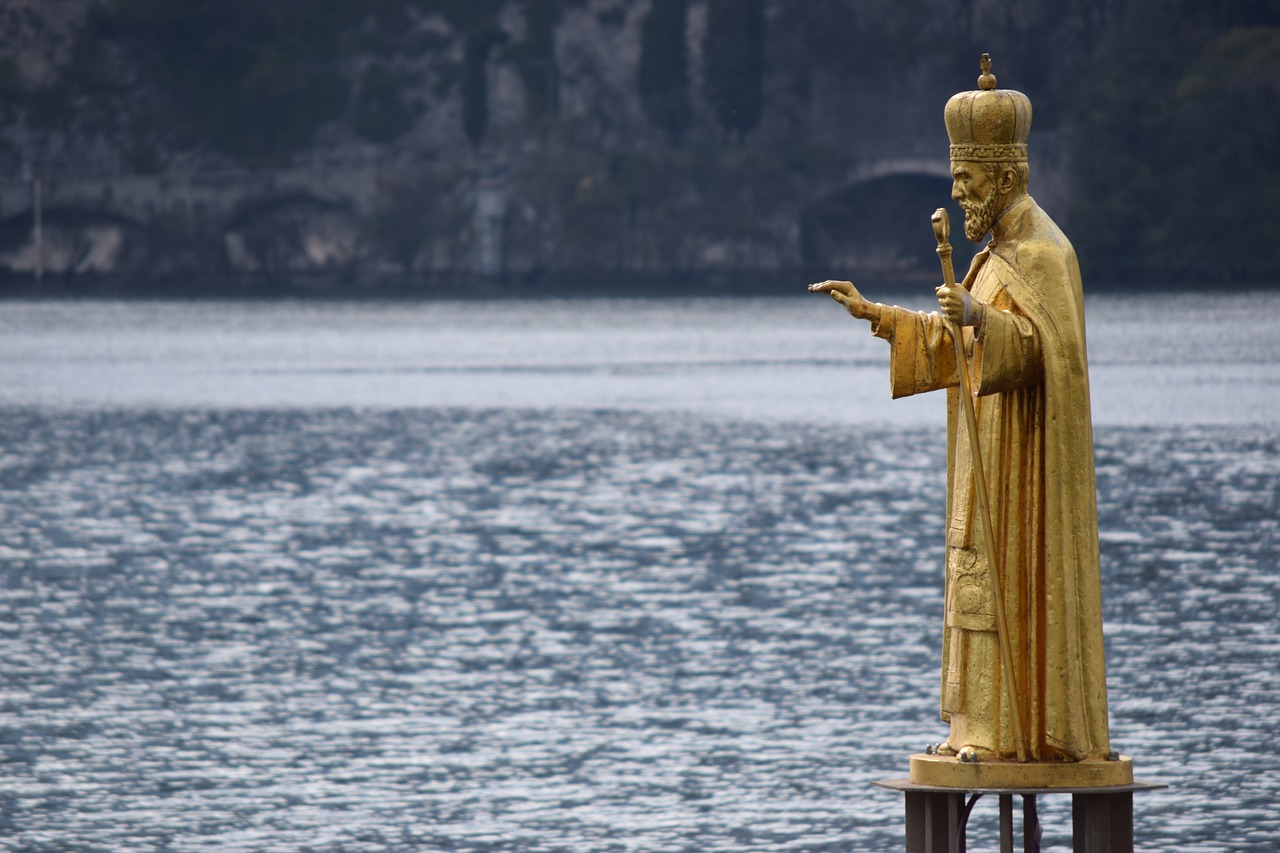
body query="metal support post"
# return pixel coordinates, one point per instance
(937, 818)
(1102, 823)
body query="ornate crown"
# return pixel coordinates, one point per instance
(986, 125)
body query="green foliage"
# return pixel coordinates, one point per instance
(660, 207)
(475, 85)
(255, 80)
(733, 55)
(10, 85)
(1175, 114)
(477, 22)
(663, 77)
(381, 113)
(91, 71)
(867, 36)
(469, 17)
(612, 17)
(142, 158)
(1178, 145)
(49, 107)
(141, 155)
(535, 60)
(1224, 158)
(416, 213)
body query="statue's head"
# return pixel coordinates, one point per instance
(988, 130)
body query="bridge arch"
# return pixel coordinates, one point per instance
(292, 232)
(73, 240)
(877, 224)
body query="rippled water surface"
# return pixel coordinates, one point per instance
(644, 599)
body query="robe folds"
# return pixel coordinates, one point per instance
(1028, 370)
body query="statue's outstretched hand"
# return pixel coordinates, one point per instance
(847, 295)
(959, 306)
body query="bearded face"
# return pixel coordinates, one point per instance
(974, 187)
(979, 216)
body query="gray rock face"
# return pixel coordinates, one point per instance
(407, 120)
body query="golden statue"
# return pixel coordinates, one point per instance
(1023, 675)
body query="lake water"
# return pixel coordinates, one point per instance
(1183, 359)
(578, 575)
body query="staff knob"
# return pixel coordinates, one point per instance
(941, 226)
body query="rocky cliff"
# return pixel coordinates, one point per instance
(536, 141)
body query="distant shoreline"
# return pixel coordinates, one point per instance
(545, 285)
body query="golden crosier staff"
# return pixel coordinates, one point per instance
(942, 230)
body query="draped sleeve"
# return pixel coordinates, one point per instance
(1007, 352)
(922, 356)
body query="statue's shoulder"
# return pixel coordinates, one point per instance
(1036, 246)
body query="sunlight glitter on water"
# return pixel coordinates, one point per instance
(517, 670)
(237, 614)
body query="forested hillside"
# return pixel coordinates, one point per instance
(555, 140)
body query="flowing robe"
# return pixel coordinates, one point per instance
(1029, 373)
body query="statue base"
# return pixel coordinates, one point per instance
(940, 771)
(938, 816)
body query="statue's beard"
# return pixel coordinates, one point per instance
(979, 217)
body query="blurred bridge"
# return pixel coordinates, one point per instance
(877, 221)
(315, 220)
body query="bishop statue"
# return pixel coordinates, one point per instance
(1023, 675)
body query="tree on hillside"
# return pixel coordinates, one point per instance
(475, 85)
(1177, 150)
(477, 21)
(663, 77)
(535, 59)
(255, 80)
(381, 113)
(733, 57)
(10, 87)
